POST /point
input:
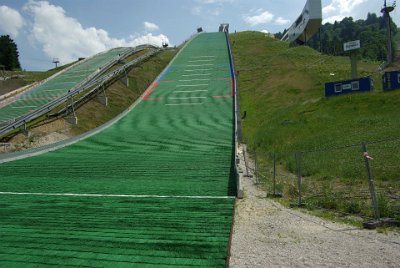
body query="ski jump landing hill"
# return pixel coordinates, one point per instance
(18, 110)
(55, 86)
(154, 188)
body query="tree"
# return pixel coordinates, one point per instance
(371, 32)
(348, 29)
(280, 35)
(9, 53)
(372, 19)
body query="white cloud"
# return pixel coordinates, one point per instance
(265, 31)
(10, 21)
(332, 19)
(149, 26)
(338, 9)
(328, 9)
(281, 21)
(263, 18)
(65, 38)
(140, 39)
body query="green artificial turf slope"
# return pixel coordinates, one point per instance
(178, 141)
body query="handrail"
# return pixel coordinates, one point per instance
(103, 79)
(21, 121)
(238, 129)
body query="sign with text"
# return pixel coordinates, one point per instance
(351, 45)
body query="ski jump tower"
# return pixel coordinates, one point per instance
(306, 25)
(224, 27)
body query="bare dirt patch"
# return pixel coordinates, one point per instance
(48, 133)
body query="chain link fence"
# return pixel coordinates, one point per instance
(359, 180)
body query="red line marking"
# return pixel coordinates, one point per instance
(151, 88)
(220, 97)
(232, 88)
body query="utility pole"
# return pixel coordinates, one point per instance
(386, 14)
(56, 61)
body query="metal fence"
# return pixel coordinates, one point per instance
(359, 181)
(87, 83)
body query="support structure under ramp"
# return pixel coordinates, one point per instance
(307, 24)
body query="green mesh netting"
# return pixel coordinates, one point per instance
(178, 141)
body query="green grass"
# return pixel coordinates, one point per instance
(282, 92)
(28, 77)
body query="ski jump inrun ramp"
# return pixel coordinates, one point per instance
(155, 188)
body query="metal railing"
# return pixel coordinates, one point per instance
(84, 85)
(238, 131)
(99, 82)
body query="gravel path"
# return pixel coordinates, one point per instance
(266, 234)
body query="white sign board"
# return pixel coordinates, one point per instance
(346, 86)
(351, 45)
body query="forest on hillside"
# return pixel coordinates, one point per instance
(371, 33)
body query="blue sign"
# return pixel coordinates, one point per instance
(391, 80)
(363, 84)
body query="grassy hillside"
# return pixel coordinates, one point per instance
(282, 92)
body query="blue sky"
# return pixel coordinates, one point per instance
(68, 29)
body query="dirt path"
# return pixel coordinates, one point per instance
(266, 234)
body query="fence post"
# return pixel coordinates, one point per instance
(256, 166)
(245, 163)
(298, 167)
(371, 182)
(274, 193)
(274, 176)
